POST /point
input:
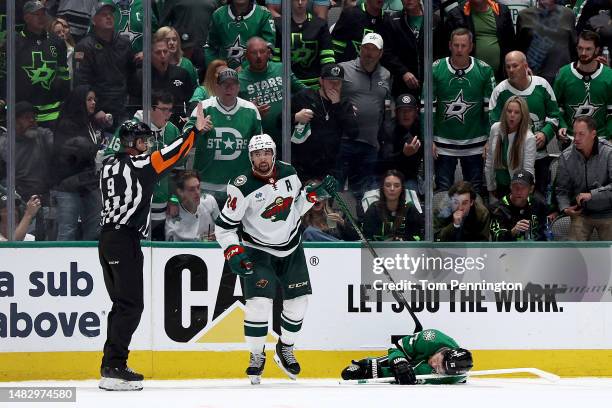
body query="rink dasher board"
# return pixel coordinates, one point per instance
(168, 344)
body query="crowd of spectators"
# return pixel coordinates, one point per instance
(522, 105)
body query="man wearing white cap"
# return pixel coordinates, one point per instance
(367, 86)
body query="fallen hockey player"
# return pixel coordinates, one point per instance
(427, 352)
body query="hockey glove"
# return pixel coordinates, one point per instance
(321, 191)
(404, 374)
(238, 261)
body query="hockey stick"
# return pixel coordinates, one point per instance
(390, 380)
(399, 296)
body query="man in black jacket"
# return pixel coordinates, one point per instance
(354, 23)
(105, 61)
(478, 16)
(170, 78)
(403, 56)
(400, 149)
(519, 216)
(321, 118)
(42, 76)
(34, 156)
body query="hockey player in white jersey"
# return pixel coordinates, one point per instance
(268, 201)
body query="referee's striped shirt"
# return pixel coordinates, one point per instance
(127, 182)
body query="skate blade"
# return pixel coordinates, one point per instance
(116, 384)
(255, 379)
(280, 365)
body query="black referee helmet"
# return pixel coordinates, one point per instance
(132, 130)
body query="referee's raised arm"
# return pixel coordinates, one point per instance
(164, 159)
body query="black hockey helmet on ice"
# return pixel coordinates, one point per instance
(457, 361)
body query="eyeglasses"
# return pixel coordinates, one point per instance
(165, 110)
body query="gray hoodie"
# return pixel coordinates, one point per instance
(593, 175)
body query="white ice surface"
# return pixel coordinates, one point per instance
(276, 393)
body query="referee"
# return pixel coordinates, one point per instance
(127, 180)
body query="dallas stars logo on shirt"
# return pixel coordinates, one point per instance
(457, 108)
(586, 107)
(279, 210)
(236, 51)
(304, 51)
(227, 142)
(125, 22)
(41, 71)
(127, 32)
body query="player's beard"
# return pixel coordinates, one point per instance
(264, 169)
(587, 60)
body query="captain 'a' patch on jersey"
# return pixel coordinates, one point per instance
(269, 210)
(585, 94)
(223, 151)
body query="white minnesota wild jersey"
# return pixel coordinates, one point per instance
(269, 210)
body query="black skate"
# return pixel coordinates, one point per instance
(120, 379)
(285, 359)
(257, 362)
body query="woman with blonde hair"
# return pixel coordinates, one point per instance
(208, 87)
(176, 52)
(61, 28)
(512, 146)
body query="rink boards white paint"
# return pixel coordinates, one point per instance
(60, 290)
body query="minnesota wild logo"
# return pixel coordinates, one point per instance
(279, 210)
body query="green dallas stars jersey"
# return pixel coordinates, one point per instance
(310, 49)
(417, 349)
(228, 34)
(128, 22)
(590, 95)
(461, 99)
(269, 211)
(223, 151)
(542, 103)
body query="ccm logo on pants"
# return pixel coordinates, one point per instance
(297, 285)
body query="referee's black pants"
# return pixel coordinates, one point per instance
(122, 260)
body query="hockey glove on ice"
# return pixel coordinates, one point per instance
(321, 191)
(404, 374)
(238, 261)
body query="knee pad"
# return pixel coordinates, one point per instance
(258, 309)
(295, 309)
